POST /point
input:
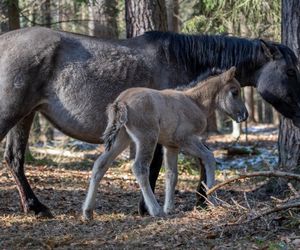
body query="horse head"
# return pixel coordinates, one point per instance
(278, 81)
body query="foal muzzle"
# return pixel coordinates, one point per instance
(242, 116)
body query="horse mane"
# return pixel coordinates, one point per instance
(202, 51)
(199, 52)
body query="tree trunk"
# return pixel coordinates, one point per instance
(46, 13)
(3, 17)
(144, 15)
(289, 135)
(249, 101)
(236, 129)
(103, 14)
(13, 15)
(173, 15)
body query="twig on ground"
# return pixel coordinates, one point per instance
(288, 205)
(294, 191)
(276, 209)
(255, 174)
(246, 200)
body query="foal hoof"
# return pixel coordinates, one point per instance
(87, 215)
(160, 214)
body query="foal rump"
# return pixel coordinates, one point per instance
(117, 117)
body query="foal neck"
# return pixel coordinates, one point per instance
(204, 94)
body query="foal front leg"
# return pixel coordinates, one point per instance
(196, 148)
(171, 155)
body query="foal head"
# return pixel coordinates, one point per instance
(228, 98)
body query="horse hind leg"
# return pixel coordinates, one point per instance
(14, 155)
(100, 167)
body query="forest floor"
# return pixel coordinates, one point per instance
(59, 177)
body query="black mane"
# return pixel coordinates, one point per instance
(203, 51)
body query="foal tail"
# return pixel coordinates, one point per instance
(117, 117)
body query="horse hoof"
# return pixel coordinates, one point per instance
(87, 215)
(201, 203)
(142, 210)
(44, 214)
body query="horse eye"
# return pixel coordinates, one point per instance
(291, 72)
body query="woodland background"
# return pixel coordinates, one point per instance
(60, 167)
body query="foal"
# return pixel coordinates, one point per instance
(172, 118)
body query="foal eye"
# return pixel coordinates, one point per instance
(291, 72)
(235, 92)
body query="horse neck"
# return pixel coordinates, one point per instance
(204, 94)
(204, 52)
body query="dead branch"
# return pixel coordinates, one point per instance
(255, 174)
(276, 209)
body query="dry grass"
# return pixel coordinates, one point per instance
(61, 184)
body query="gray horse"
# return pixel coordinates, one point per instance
(70, 79)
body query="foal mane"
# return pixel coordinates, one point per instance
(203, 77)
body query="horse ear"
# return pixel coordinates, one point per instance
(228, 75)
(266, 49)
(271, 51)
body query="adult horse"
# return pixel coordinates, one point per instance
(70, 79)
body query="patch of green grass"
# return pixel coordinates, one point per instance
(277, 246)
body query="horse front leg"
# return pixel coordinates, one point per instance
(155, 167)
(14, 155)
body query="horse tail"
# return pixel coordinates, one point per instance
(117, 117)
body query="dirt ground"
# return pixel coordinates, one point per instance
(59, 178)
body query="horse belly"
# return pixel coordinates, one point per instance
(82, 125)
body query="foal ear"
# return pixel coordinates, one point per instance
(228, 75)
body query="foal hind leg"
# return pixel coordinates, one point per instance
(171, 155)
(14, 155)
(145, 147)
(154, 169)
(100, 167)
